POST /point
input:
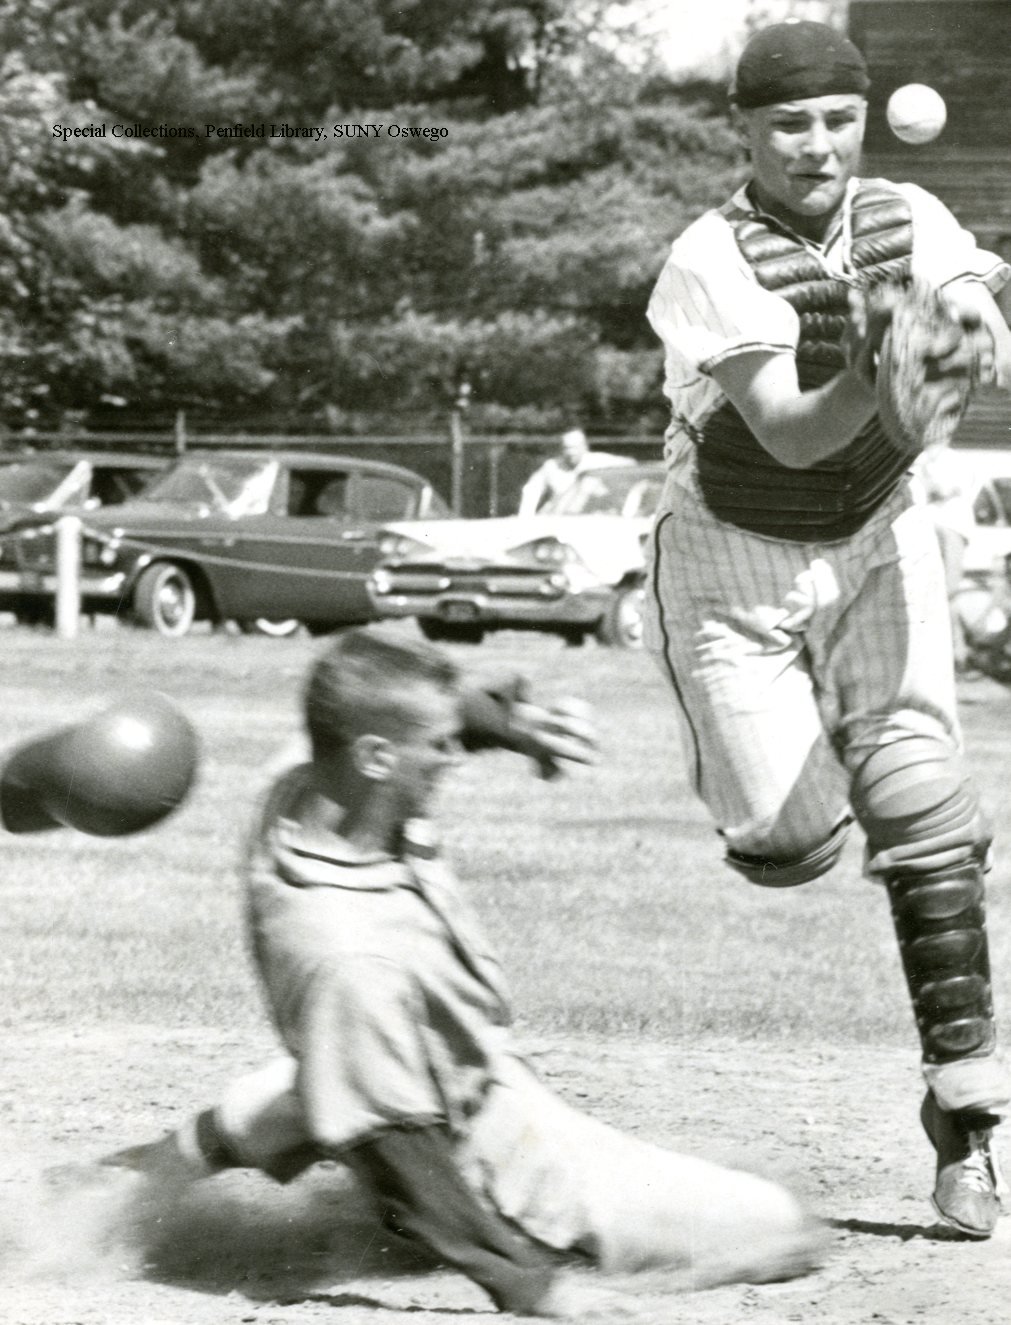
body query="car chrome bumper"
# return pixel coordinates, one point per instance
(29, 584)
(583, 609)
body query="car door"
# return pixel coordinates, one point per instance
(297, 561)
(341, 519)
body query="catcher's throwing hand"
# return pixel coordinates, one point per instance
(562, 733)
(924, 356)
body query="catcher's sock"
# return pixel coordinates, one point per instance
(970, 1085)
(969, 1182)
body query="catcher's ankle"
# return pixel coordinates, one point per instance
(970, 1085)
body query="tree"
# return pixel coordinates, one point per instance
(320, 280)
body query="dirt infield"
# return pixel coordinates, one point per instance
(840, 1125)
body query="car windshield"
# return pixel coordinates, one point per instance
(31, 480)
(1002, 487)
(235, 486)
(621, 491)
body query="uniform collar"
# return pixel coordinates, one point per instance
(839, 231)
(312, 857)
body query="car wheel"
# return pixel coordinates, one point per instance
(276, 628)
(36, 614)
(622, 624)
(165, 599)
(450, 632)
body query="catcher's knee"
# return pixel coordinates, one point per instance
(917, 808)
(778, 871)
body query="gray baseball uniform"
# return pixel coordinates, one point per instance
(394, 1014)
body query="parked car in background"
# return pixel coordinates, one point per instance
(991, 540)
(575, 568)
(983, 598)
(268, 539)
(37, 482)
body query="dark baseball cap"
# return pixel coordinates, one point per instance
(791, 61)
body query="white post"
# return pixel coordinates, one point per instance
(68, 576)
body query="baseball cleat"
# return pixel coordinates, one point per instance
(969, 1185)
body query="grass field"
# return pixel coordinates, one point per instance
(604, 890)
(683, 1001)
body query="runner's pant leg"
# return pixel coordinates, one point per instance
(577, 1184)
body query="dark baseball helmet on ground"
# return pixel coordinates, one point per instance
(118, 772)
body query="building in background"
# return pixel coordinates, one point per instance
(962, 48)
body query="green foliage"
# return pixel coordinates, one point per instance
(311, 279)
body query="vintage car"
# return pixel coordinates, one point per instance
(984, 587)
(268, 539)
(991, 540)
(37, 482)
(575, 568)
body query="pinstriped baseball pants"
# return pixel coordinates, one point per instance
(790, 662)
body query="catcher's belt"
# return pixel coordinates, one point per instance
(740, 481)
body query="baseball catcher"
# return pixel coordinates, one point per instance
(819, 330)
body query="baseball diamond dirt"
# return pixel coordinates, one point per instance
(239, 1249)
(118, 1024)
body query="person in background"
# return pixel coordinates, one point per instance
(559, 472)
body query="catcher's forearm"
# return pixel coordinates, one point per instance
(817, 424)
(797, 428)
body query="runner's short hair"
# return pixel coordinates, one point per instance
(368, 681)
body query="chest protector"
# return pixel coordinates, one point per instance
(740, 481)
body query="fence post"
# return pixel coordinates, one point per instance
(456, 442)
(494, 456)
(180, 432)
(456, 462)
(68, 576)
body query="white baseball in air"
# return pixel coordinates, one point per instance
(916, 113)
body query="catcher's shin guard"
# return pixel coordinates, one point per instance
(940, 922)
(941, 927)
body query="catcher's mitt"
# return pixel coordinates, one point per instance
(924, 357)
